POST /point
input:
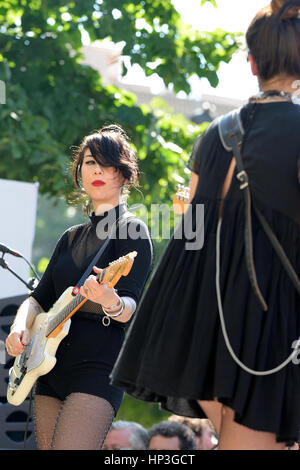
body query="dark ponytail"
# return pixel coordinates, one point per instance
(285, 10)
(273, 38)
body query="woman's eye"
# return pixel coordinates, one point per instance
(89, 162)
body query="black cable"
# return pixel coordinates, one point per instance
(28, 419)
(31, 267)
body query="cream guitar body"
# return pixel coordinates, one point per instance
(49, 329)
(38, 357)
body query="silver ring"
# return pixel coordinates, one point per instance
(9, 348)
(105, 321)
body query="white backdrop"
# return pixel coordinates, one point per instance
(18, 204)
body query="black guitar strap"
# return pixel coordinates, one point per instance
(123, 215)
(231, 133)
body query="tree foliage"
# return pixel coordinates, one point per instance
(53, 100)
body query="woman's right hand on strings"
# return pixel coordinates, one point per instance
(19, 332)
(16, 340)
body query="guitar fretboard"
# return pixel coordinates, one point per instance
(64, 313)
(70, 307)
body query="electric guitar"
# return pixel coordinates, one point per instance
(181, 199)
(49, 329)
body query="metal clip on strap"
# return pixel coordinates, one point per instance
(243, 178)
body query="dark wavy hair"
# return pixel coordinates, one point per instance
(110, 147)
(273, 38)
(173, 429)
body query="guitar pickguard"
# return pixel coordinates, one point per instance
(37, 349)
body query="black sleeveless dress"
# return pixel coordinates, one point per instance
(175, 353)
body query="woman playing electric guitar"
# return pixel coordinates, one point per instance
(75, 403)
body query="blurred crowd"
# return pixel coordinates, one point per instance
(176, 433)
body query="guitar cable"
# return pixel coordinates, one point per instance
(31, 267)
(27, 420)
(223, 326)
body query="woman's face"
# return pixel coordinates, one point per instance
(101, 184)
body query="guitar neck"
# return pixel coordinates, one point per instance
(69, 310)
(109, 275)
(66, 313)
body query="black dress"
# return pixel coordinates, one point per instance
(175, 352)
(85, 357)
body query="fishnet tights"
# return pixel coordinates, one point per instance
(81, 422)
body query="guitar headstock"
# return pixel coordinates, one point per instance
(116, 269)
(181, 199)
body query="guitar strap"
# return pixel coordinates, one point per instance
(231, 133)
(124, 214)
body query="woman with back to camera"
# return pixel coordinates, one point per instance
(183, 361)
(74, 403)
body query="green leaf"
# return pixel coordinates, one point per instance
(42, 265)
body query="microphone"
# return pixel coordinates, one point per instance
(6, 249)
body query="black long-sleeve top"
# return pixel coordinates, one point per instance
(79, 244)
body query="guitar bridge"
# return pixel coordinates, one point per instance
(12, 385)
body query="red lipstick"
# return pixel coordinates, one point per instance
(98, 183)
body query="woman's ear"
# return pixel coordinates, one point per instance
(123, 180)
(253, 64)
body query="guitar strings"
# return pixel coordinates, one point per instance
(57, 319)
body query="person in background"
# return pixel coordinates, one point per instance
(295, 446)
(205, 434)
(126, 435)
(168, 435)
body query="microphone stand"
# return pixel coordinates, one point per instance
(30, 286)
(4, 265)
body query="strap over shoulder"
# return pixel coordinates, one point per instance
(231, 133)
(124, 216)
(231, 130)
